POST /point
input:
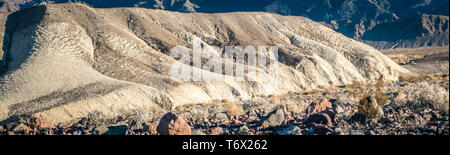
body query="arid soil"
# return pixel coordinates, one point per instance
(413, 106)
(423, 60)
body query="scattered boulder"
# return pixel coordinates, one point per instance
(217, 131)
(331, 113)
(274, 119)
(291, 130)
(319, 105)
(198, 132)
(39, 123)
(221, 116)
(172, 124)
(321, 129)
(100, 130)
(320, 118)
(21, 128)
(243, 130)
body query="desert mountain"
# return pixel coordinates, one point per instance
(67, 61)
(381, 23)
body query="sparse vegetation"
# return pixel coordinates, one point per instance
(373, 99)
(312, 91)
(427, 95)
(413, 78)
(233, 109)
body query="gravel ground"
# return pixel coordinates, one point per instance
(414, 107)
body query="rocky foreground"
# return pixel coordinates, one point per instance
(412, 106)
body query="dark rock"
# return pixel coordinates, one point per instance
(321, 129)
(320, 118)
(172, 124)
(358, 118)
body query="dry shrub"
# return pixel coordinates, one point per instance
(428, 95)
(371, 101)
(356, 85)
(233, 109)
(313, 91)
(413, 78)
(367, 107)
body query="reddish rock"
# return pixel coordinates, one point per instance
(217, 131)
(40, 123)
(21, 128)
(319, 105)
(172, 124)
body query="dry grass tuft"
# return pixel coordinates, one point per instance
(233, 109)
(372, 100)
(413, 78)
(428, 95)
(310, 92)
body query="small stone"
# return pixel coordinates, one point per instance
(220, 116)
(356, 133)
(237, 122)
(172, 124)
(371, 132)
(330, 112)
(291, 130)
(274, 119)
(101, 130)
(319, 105)
(320, 118)
(217, 131)
(243, 130)
(198, 132)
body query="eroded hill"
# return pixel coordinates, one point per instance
(67, 61)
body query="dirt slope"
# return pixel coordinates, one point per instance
(67, 61)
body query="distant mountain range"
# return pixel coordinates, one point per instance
(380, 23)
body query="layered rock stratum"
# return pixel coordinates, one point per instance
(67, 61)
